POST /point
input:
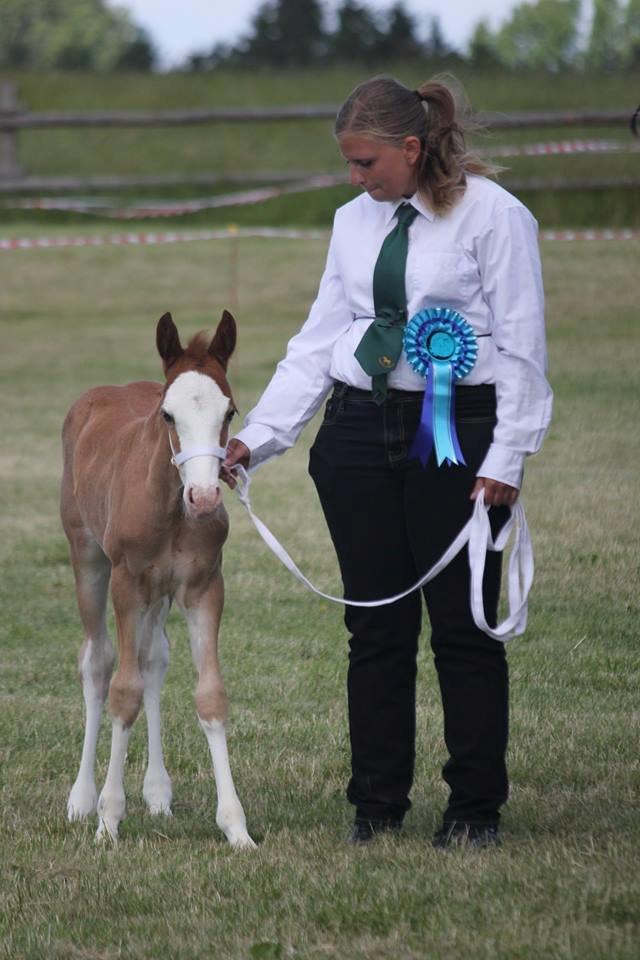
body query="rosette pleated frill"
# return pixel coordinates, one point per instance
(442, 347)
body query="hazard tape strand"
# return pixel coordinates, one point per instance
(282, 233)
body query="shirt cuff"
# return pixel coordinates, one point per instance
(503, 464)
(261, 442)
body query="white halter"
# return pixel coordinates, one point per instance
(179, 458)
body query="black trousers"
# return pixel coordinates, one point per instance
(390, 519)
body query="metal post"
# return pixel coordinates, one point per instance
(9, 166)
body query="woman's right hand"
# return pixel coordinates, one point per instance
(238, 453)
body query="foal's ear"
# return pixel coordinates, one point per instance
(224, 341)
(168, 341)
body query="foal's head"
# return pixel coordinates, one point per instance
(197, 406)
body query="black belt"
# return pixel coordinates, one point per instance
(466, 397)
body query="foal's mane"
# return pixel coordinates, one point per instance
(197, 349)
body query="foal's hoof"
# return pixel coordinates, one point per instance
(241, 841)
(82, 802)
(157, 794)
(107, 832)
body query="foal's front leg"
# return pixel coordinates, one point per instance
(203, 620)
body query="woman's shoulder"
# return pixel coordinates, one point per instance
(485, 193)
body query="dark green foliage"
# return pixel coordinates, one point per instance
(294, 33)
(542, 35)
(604, 52)
(285, 33)
(358, 34)
(71, 35)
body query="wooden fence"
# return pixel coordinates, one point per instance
(14, 117)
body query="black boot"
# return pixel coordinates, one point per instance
(475, 836)
(364, 831)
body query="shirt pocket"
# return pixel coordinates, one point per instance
(440, 278)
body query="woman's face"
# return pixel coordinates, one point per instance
(385, 171)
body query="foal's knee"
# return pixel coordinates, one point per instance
(211, 702)
(95, 666)
(125, 697)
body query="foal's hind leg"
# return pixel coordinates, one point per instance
(125, 697)
(92, 569)
(154, 659)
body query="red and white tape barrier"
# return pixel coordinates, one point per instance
(562, 147)
(192, 236)
(600, 234)
(97, 206)
(159, 208)
(158, 238)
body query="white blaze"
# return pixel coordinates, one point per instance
(198, 407)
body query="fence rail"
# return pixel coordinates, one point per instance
(14, 118)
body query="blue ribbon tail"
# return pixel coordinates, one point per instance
(444, 427)
(423, 441)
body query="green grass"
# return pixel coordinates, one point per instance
(309, 147)
(564, 885)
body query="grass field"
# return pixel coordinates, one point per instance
(565, 883)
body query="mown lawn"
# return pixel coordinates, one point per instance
(565, 883)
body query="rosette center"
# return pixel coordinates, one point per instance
(441, 345)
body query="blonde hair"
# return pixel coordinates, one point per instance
(384, 109)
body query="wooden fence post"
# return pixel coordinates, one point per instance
(9, 165)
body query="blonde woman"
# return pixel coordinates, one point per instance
(414, 428)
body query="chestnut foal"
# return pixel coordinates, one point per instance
(154, 525)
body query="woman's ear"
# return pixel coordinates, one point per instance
(411, 148)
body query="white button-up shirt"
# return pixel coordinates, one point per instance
(481, 259)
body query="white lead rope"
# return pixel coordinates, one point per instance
(477, 533)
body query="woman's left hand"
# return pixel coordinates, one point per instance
(496, 494)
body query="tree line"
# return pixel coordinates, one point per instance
(539, 34)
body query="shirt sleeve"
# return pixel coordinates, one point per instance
(302, 380)
(511, 274)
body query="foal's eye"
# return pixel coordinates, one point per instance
(167, 417)
(229, 417)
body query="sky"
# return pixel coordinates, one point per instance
(180, 27)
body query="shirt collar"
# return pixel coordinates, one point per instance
(415, 201)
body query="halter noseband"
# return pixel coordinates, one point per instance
(179, 458)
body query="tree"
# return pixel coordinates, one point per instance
(436, 46)
(357, 36)
(285, 33)
(482, 47)
(138, 55)
(632, 33)
(540, 36)
(399, 41)
(605, 51)
(71, 34)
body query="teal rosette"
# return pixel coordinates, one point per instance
(442, 347)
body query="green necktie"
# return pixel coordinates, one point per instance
(379, 350)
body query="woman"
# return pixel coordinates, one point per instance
(429, 231)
